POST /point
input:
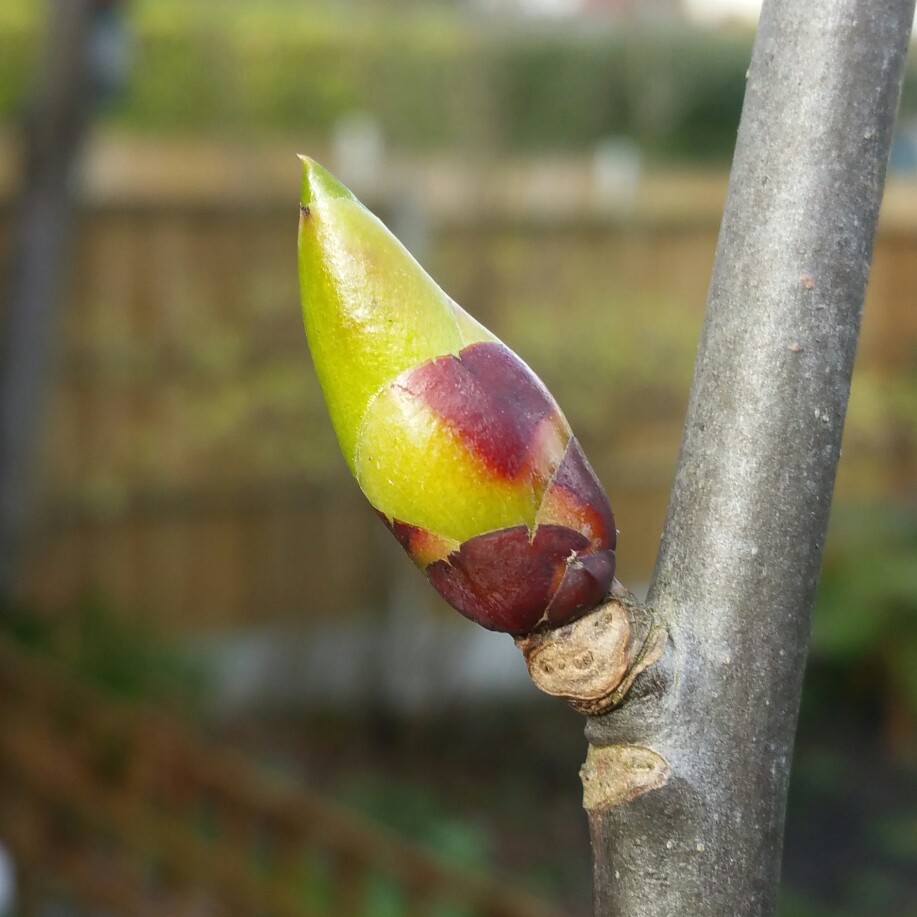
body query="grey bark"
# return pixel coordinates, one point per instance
(740, 558)
(42, 220)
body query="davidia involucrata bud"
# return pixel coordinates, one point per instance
(456, 443)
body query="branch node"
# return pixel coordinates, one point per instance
(615, 774)
(593, 661)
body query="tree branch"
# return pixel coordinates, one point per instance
(37, 260)
(740, 558)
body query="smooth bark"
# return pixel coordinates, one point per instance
(42, 222)
(740, 558)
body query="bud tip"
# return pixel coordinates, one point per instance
(319, 185)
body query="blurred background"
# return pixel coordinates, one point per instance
(222, 690)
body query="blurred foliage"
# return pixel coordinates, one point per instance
(99, 644)
(20, 27)
(419, 814)
(851, 835)
(866, 616)
(434, 78)
(462, 781)
(678, 93)
(608, 384)
(416, 813)
(851, 845)
(434, 75)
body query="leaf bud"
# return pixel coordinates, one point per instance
(455, 442)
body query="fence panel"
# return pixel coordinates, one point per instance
(190, 472)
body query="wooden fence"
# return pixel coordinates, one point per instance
(122, 808)
(190, 475)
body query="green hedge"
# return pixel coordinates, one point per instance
(432, 78)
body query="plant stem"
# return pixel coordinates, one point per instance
(740, 558)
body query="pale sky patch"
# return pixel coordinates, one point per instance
(718, 10)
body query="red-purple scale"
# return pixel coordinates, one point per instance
(490, 398)
(506, 582)
(509, 579)
(576, 488)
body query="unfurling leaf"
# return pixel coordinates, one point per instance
(456, 443)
